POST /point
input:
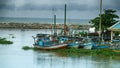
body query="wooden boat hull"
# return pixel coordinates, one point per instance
(60, 46)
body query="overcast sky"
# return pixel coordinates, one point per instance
(80, 9)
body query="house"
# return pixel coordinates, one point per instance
(114, 28)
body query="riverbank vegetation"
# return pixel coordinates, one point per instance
(29, 48)
(5, 41)
(81, 52)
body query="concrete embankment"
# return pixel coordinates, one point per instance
(40, 26)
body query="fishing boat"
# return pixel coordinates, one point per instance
(74, 41)
(86, 44)
(73, 44)
(47, 42)
(100, 45)
(53, 47)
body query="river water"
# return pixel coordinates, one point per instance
(13, 56)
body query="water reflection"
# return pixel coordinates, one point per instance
(12, 56)
(50, 60)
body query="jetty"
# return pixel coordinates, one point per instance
(41, 26)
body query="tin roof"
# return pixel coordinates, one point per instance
(115, 27)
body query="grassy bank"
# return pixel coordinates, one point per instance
(81, 52)
(5, 41)
(29, 48)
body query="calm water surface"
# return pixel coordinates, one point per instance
(12, 56)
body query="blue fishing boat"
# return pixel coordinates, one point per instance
(75, 41)
(51, 47)
(63, 39)
(46, 42)
(53, 42)
(86, 43)
(101, 45)
(73, 44)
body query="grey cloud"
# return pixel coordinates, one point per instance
(3, 1)
(6, 4)
(111, 4)
(71, 5)
(30, 6)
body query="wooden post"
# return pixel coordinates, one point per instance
(111, 36)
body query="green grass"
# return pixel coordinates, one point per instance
(75, 52)
(4, 41)
(29, 48)
(26, 47)
(81, 52)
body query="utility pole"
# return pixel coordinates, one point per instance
(100, 19)
(65, 20)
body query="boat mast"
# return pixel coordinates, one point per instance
(65, 20)
(55, 33)
(100, 19)
(54, 21)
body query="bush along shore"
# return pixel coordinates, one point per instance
(29, 48)
(81, 52)
(5, 41)
(76, 52)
